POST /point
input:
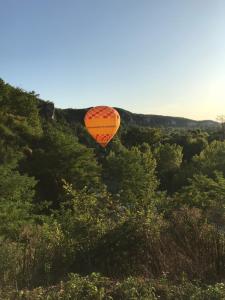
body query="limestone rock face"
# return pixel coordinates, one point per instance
(48, 111)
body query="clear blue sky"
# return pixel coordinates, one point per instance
(159, 57)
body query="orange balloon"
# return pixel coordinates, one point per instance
(102, 123)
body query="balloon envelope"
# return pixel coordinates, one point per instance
(102, 123)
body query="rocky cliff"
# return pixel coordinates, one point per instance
(48, 110)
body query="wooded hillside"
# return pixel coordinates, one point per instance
(142, 219)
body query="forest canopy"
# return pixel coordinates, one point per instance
(143, 218)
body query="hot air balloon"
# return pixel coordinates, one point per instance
(102, 123)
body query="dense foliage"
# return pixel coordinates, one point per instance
(142, 219)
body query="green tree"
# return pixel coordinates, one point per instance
(192, 142)
(16, 195)
(211, 159)
(169, 159)
(221, 120)
(130, 174)
(207, 194)
(62, 157)
(20, 109)
(136, 135)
